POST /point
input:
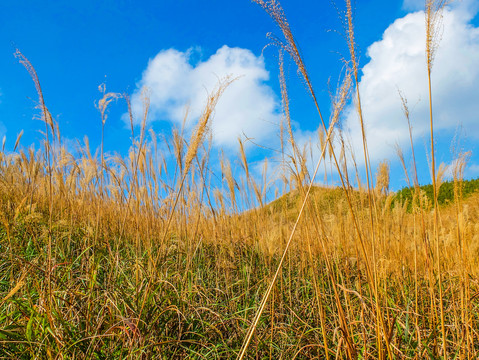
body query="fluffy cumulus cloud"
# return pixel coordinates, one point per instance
(397, 62)
(174, 83)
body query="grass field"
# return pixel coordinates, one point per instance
(138, 257)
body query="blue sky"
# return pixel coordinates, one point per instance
(180, 48)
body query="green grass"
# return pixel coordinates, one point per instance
(105, 309)
(445, 194)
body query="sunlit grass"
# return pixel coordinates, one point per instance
(141, 256)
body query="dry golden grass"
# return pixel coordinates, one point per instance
(139, 257)
(109, 297)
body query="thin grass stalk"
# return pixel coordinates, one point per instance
(416, 198)
(433, 13)
(134, 183)
(47, 118)
(458, 176)
(296, 156)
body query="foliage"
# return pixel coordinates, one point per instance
(445, 194)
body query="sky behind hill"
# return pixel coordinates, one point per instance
(179, 49)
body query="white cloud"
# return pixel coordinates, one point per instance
(248, 105)
(398, 62)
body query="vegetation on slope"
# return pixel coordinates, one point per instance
(136, 257)
(445, 193)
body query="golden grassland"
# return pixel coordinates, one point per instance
(140, 257)
(99, 279)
